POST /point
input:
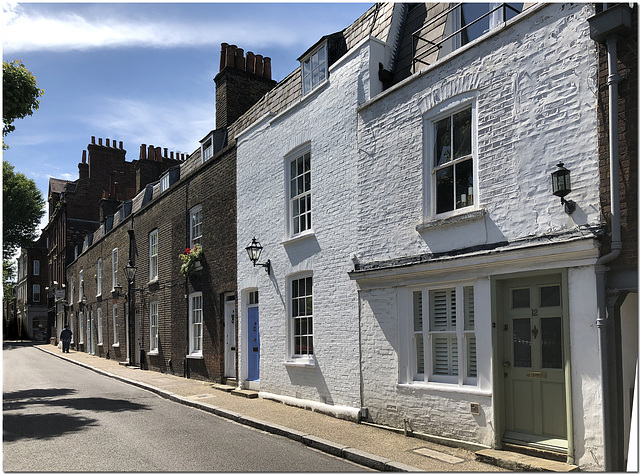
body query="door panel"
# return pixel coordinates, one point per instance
(230, 339)
(533, 361)
(253, 344)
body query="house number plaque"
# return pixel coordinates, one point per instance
(537, 375)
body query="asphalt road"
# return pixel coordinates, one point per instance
(61, 417)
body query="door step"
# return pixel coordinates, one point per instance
(522, 462)
(244, 393)
(223, 387)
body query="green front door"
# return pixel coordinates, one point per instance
(533, 363)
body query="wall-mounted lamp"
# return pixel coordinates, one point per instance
(254, 250)
(561, 183)
(130, 272)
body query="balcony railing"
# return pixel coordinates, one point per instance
(432, 38)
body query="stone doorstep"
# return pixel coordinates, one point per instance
(223, 387)
(244, 393)
(521, 462)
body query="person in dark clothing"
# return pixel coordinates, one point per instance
(65, 336)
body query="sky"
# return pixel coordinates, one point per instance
(140, 72)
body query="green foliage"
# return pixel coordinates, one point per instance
(8, 277)
(20, 94)
(22, 209)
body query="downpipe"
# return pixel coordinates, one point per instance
(604, 323)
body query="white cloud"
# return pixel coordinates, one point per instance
(175, 125)
(28, 30)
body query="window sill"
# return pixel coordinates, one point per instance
(153, 282)
(195, 356)
(100, 344)
(117, 344)
(455, 219)
(298, 237)
(153, 353)
(302, 362)
(444, 387)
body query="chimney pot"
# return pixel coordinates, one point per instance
(108, 143)
(165, 153)
(223, 55)
(143, 151)
(84, 156)
(240, 62)
(251, 62)
(100, 141)
(267, 68)
(230, 60)
(171, 154)
(121, 144)
(93, 140)
(259, 65)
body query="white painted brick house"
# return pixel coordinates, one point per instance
(422, 274)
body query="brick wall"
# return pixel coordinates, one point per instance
(628, 145)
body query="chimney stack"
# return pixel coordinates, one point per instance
(251, 80)
(83, 168)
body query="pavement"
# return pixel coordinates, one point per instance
(367, 445)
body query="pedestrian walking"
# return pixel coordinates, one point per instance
(65, 335)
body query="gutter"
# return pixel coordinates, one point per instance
(607, 27)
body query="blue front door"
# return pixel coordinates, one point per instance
(254, 344)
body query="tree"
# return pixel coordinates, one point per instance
(22, 209)
(20, 94)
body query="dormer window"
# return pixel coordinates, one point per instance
(314, 69)
(207, 150)
(164, 183)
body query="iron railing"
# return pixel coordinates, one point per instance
(429, 47)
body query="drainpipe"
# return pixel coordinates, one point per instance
(604, 321)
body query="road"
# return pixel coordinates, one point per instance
(61, 417)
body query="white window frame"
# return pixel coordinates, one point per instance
(164, 182)
(114, 313)
(81, 327)
(153, 255)
(34, 293)
(302, 199)
(207, 149)
(153, 328)
(114, 268)
(71, 289)
(36, 267)
(196, 324)
(294, 298)
(99, 324)
(448, 109)
(195, 226)
(99, 278)
(80, 286)
(314, 69)
(459, 330)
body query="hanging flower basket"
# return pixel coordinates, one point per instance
(191, 260)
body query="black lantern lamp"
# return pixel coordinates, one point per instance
(561, 182)
(130, 272)
(254, 250)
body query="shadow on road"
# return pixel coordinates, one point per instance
(18, 426)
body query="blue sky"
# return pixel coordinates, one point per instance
(141, 72)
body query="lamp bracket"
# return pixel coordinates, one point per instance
(569, 206)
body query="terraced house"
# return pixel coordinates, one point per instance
(429, 225)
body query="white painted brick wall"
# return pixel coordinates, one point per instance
(327, 119)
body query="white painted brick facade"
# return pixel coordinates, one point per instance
(533, 86)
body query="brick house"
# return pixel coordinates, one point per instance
(182, 324)
(31, 302)
(422, 273)
(75, 208)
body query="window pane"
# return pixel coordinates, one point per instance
(442, 142)
(521, 342)
(469, 311)
(472, 366)
(417, 310)
(550, 295)
(462, 134)
(464, 183)
(444, 190)
(520, 298)
(551, 343)
(419, 345)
